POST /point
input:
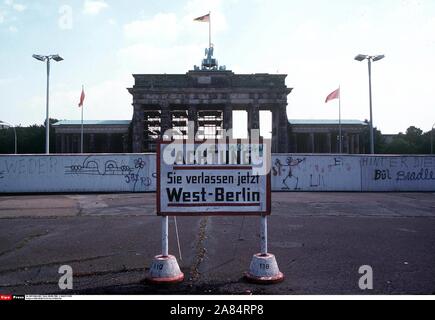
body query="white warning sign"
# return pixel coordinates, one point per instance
(208, 180)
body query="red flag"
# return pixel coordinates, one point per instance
(333, 95)
(205, 18)
(82, 98)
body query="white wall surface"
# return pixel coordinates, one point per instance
(77, 173)
(137, 173)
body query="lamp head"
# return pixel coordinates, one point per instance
(361, 57)
(57, 58)
(379, 57)
(39, 57)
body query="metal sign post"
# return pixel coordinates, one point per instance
(164, 268)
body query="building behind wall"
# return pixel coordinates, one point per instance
(111, 136)
(305, 136)
(322, 136)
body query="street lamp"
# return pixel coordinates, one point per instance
(47, 59)
(4, 123)
(370, 59)
(431, 139)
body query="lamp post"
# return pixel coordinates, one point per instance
(370, 59)
(431, 139)
(4, 123)
(47, 59)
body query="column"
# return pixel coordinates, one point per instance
(312, 145)
(228, 117)
(254, 117)
(357, 146)
(62, 143)
(165, 117)
(329, 142)
(192, 116)
(283, 133)
(275, 131)
(109, 143)
(352, 144)
(138, 129)
(92, 148)
(346, 143)
(295, 143)
(125, 143)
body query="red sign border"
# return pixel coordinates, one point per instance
(209, 214)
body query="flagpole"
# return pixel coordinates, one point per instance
(339, 120)
(209, 29)
(83, 106)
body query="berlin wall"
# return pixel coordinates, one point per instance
(78, 173)
(290, 173)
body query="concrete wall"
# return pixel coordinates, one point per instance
(137, 173)
(78, 173)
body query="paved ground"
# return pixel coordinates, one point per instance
(320, 240)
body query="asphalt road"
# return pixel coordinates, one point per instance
(320, 240)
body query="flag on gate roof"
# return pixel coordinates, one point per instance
(82, 97)
(205, 18)
(333, 95)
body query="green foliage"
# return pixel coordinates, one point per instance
(30, 140)
(414, 141)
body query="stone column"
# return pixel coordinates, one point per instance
(352, 144)
(275, 131)
(295, 143)
(329, 142)
(283, 132)
(346, 143)
(92, 148)
(165, 117)
(357, 147)
(192, 116)
(312, 144)
(125, 143)
(253, 117)
(138, 129)
(228, 117)
(62, 143)
(109, 143)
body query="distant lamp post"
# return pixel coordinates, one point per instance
(431, 139)
(370, 59)
(47, 59)
(6, 124)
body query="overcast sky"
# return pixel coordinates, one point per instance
(103, 42)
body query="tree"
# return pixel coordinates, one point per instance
(414, 141)
(30, 140)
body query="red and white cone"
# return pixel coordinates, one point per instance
(165, 270)
(264, 270)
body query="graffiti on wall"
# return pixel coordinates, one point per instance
(314, 173)
(134, 175)
(75, 173)
(290, 173)
(389, 173)
(287, 171)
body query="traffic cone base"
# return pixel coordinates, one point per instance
(165, 270)
(264, 270)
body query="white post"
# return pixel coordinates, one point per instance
(263, 235)
(47, 118)
(209, 29)
(165, 244)
(81, 142)
(340, 133)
